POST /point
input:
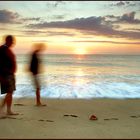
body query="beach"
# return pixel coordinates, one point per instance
(69, 119)
(81, 58)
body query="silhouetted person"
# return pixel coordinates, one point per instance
(35, 69)
(7, 73)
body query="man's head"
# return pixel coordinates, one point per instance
(10, 40)
(38, 47)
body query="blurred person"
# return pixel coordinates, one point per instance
(35, 69)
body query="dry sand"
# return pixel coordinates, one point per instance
(117, 118)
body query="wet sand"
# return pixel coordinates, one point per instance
(69, 119)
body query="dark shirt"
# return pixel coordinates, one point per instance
(34, 63)
(7, 61)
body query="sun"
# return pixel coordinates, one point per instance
(81, 51)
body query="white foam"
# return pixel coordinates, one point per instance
(90, 90)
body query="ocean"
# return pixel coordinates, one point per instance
(81, 76)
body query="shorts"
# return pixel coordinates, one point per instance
(36, 81)
(8, 84)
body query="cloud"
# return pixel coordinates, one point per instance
(120, 3)
(58, 17)
(57, 3)
(94, 41)
(54, 4)
(133, 4)
(133, 29)
(47, 33)
(93, 25)
(33, 32)
(10, 17)
(7, 16)
(125, 3)
(113, 42)
(125, 18)
(31, 19)
(52, 33)
(129, 18)
(78, 23)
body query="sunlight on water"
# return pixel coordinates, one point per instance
(79, 77)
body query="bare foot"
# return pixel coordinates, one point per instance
(1, 111)
(12, 113)
(2, 114)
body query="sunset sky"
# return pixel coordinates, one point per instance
(73, 27)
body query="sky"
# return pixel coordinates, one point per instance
(73, 27)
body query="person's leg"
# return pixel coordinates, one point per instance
(38, 97)
(9, 102)
(4, 102)
(38, 102)
(2, 106)
(37, 90)
(37, 84)
(8, 86)
(9, 98)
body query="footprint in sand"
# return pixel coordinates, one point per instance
(41, 105)
(19, 104)
(49, 121)
(7, 117)
(111, 119)
(66, 115)
(138, 116)
(41, 120)
(3, 117)
(46, 120)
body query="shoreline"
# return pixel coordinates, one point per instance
(69, 118)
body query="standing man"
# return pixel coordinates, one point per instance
(7, 73)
